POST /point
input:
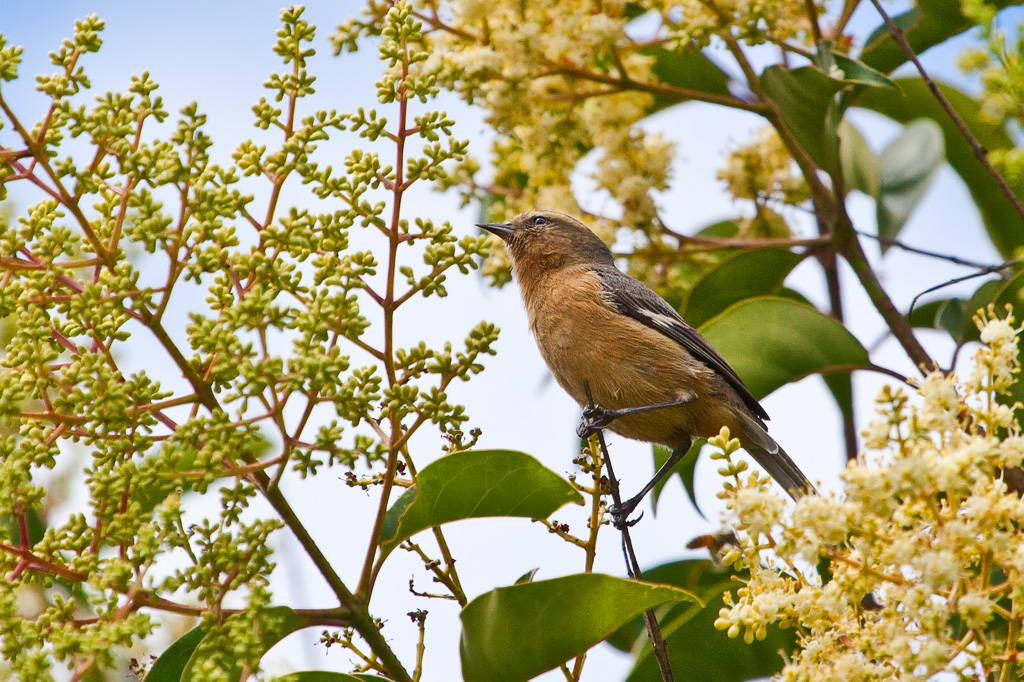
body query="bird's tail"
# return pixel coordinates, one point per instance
(774, 460)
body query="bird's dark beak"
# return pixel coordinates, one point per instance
(501, 229)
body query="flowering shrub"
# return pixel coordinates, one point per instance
(920, 564)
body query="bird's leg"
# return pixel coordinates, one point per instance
(596, 417)
(620, 513)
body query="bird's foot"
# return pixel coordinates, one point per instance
(594, 419)
(620, 514)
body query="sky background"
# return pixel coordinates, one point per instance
(219, 54)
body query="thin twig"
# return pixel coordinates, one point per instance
(889, 241)
(659, 88)
(980, 152)
(657, 640)
(980, 273)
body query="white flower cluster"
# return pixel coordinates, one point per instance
(753, 21)
(764, 169)
(918, 569)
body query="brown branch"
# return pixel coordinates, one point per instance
(848, 9)
(659, 89)
(812, 15)
(980, 153)
(849, 247)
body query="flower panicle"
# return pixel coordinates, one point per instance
(923, 557)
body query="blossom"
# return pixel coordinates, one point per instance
(926, 526)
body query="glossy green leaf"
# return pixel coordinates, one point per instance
(930, 23)
(277, 623)
(171, 664)
(702, 577)
(476, 484)
(805, 98)
(513, 634)
(325, 676)
(907, 167)
(1005, 228)
(684, 469)
(859, 163)
(751, 273)
(792, 340)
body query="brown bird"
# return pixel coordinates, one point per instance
(652, 376)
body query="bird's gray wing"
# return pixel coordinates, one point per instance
(636, 300)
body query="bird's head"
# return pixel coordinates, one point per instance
(547, 240)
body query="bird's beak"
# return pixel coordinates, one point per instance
(501, 229)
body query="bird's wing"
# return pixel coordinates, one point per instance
(634, 299)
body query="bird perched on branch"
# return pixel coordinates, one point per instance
(650, 375)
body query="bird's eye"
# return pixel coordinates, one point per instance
(538, 220)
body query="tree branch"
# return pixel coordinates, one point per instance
(980, 153)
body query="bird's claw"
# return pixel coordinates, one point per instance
(620, 517)
(594, 419)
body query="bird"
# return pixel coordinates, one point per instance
(625, 355)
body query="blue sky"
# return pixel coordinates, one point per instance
(220, 53)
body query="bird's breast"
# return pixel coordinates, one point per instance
(584, 341)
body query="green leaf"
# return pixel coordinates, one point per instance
(512, 634)
(1005, 228)
(955, 315)
(859, 163)
(324, 676)
(632, 10)
(527, 577)
(908, 166)
(697, 650)
(34, 522)
(278, 622)
(723, 229)
(980, 299)
(718, 658)
(930, 23)
(858, 73)
(924, 315)
(171, 664)
(1010, 292)
(702, 577)
(841, 388)
(792, 341)
(685, 469)
(752, 273)
(786, 292)
(475, 484)
(685, 68)
(945, 314)
(805, 98)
